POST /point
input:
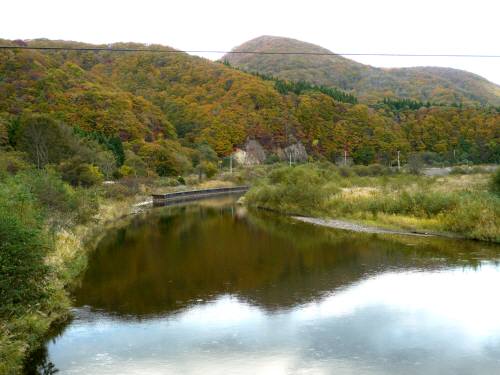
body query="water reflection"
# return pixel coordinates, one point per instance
(208, 289)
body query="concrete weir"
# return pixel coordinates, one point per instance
(163, 199)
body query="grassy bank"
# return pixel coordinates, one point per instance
(42, 255)
(47, 229)
(463, 204)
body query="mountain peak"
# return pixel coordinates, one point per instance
(370, 84)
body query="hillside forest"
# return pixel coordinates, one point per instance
(101, 115)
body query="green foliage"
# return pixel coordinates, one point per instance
(314, 189)
(205, 153)
(12, 162)
(420, 204)
(34, 205)
(116, 146)
(41, 137)
(23, 246)
(22, 250)
(371, 170)
(404, 104)
(113, 144)
(207, 168)
(415, 163)
(121, 101)
(299, 87)
(4, 134)
(166, 158)
(59, 202)
(302, 189)
(477, 215)
(119, 190)
(495, 182)
(79, 173)
(134, 166)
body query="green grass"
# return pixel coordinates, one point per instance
(36, 264)
(463, 205)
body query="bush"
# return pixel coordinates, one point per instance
(117, 191)
(59, 203)
(53, 194)
(12, 162)
(166, 158)
(345, 171)
(207, 168)
(371, 170)
(272, 159)
(22, 250)
(415, 163)
(476, 216)
(303, 189)
(458, 170)
(168, 182)
(495, 182)
(22, 268)
(134, 166)
(79, 173)
(4, 134)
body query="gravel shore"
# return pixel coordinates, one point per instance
(346, 225)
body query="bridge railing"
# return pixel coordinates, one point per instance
(191, 194)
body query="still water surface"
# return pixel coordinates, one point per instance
(210, 288)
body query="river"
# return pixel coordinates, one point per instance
(211, 288)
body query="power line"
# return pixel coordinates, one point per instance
(103, 49)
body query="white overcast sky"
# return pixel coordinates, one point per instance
(360, 26)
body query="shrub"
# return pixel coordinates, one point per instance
(458, 170)
(134, 166)
(207, 168)
(168, 182)
(370, 170)
(166, 158)
(126, 171)
(345, 171)
(116, 191)
(12, 162)
(42, 138)
(4, 133)
(59, 202)
(476, 216)
(87, 203)
(495, 182)
(415, 163)
(22, 269)
(301, 189)
(79, 173)
(361, 170)
(22, 250)
(272, 159)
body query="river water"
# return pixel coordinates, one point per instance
(210, 288)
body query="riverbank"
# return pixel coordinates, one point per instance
(24, 332)
(66, 247)
(354, 227)
(462, 206)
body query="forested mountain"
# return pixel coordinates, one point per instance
(438, 85)
(165, 113)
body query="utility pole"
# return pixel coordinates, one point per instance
(345, 157)
(290, 157)
(399, 164)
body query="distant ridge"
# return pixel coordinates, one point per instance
(369, 84)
